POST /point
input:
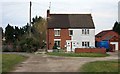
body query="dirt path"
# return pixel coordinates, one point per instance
(45, 63)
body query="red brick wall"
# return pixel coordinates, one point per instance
(50, 41)
(90, 50)
(64, 35)
(108, 34)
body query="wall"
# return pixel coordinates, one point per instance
(78, 36)
(114, 39)
(50, 41)
(90, 50)
(64, 35)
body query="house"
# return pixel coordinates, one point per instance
(70, 31)
(111, 36)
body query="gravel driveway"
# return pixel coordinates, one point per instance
(46, 63)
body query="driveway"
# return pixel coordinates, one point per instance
(46, 63)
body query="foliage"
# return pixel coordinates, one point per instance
(55, 48)
(10, 60)
(19, 37)
(1, 32)
(39, 26)
(78, 54)
(9, 33)
(29, 45)
(100, 66)
(116, 27)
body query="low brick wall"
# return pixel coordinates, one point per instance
(90, 50)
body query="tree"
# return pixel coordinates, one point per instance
(9, 34)
(116, 27)
(1, 32)
(40, 27)
(19, 37)
(16, 33)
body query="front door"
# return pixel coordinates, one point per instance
(71, 45)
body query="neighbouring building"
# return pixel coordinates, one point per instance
(70, 31)
(111, 36)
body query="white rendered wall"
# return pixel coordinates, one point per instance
(79, 37)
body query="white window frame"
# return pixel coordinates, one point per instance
(85, 44)
(85, 31)
(56, 30)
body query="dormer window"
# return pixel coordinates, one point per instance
(57, 32)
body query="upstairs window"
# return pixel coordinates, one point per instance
(57, 32)
(70, 32)
(85, 31)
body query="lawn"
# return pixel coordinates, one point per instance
(10, 60)
(100, 66)
(77, 54)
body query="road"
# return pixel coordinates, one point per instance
(46, 63)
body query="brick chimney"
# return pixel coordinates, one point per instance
(48, 13)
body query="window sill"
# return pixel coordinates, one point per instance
(85, 34)
(56, 35)
(70, 35)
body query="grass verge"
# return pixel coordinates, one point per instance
(78, 54)
(100, 66)
(10, 60)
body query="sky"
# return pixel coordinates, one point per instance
(16, 12)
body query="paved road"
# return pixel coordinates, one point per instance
(45, 63)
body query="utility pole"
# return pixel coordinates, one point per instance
(30, 20)
(49, 5)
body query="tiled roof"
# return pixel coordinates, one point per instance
(103, 33)
(70, 21)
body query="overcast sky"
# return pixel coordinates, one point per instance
(16, 12)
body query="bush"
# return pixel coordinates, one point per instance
(29, 45)
(55, 48)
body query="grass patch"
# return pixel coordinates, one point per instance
(10, 60)
(78, 54)
(100, 66)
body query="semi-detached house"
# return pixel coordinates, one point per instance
(70, 31)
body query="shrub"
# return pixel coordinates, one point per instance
(55, 48)
(29, 45)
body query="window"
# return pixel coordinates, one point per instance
(57, 43)
(70, 32)
(82, 31)
(85, 44)
(85, 31)
(57, 32)
(82, 43)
